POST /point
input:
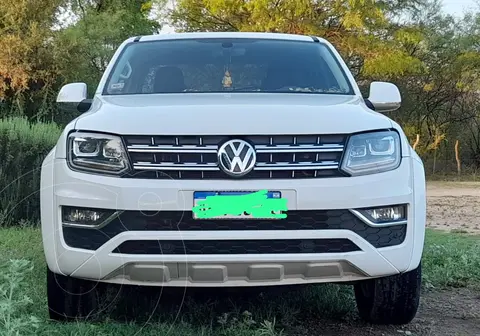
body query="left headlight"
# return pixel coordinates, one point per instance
(371, 153)
(100, 153)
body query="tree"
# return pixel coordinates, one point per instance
(86, 47)
(448, 91)
(26, 62)
(39, 52)
(360, 29)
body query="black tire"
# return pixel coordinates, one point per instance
(390, 300)
(70, 298)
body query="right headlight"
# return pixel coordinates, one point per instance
(99, 153)
(371, 153)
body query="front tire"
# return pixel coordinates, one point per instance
(390, 300)
(71, 298)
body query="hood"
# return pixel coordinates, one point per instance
(230, 114)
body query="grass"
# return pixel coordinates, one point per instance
(450, 259)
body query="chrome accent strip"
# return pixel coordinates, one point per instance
(170, 149)
(98, 226)
(316, 155)
(212, 166)
(214, 149)
(286, 166)
(173, 166)
(298, 148)
(294, 156)
(201, 159)
(270, 141)
(367, 221)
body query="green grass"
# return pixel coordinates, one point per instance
(450, 259)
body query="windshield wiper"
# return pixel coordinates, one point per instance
(308, 89)
(245, 88)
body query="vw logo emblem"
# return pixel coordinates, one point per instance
(236, 157)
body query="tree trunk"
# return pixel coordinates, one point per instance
(416, 142)
(457, 157)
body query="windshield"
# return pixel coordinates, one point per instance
(226, 65)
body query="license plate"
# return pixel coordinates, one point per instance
(261, 204)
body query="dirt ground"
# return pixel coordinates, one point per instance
(450, 206)
(442, 313)
(453, 206)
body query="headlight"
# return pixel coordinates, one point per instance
(101, 153)
(371, 153)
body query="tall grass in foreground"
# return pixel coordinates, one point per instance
(13, 301)
(23, 146)
(450, 259)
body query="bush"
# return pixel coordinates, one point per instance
(15, 320)
(23, 147)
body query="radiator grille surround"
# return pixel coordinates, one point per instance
(195, 157)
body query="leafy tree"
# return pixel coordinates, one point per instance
(360, 29)
(444, 94)
(26, 61)
(86, 47)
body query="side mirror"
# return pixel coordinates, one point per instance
(384, 97)
(73, 97)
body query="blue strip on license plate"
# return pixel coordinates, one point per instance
(203, 194)
(264, 205)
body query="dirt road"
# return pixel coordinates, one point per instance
(454, 206)
(442, 313)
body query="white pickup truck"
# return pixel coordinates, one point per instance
(180, 122)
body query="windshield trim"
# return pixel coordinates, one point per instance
(351, 91)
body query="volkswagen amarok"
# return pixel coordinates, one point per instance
(233, 159)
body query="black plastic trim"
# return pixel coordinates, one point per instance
(216, 247)
(84, 105)
(175, 221)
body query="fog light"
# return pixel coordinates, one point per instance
(84, 216)
(390, 214)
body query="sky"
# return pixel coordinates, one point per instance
(456, 7)
(453, 7)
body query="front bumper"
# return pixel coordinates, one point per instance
(156, 242)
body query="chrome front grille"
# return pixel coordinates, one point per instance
(195, 157)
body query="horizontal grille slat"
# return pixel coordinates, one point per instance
(195, 157)
(213, 149)
(277, 246)
(175, 149)
(173, 166)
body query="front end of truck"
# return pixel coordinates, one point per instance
(119, 190)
